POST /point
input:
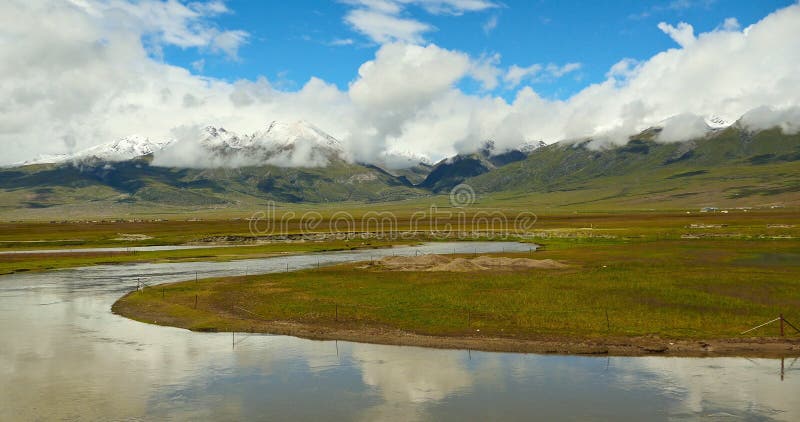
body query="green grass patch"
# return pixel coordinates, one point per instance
(681, 289)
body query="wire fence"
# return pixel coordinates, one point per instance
(549, 320)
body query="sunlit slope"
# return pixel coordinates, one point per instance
(729, 168)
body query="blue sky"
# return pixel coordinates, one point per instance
(291, 41)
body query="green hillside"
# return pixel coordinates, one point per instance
(43, 186)
(732, 167)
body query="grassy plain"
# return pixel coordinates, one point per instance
(560, 231)
(674, 276)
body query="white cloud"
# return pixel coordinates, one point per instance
(385, 21)
(392, 79)
(341, 42)
(390, 91)
(490, 24)
(765, 117)
(559, 71)
(683, 34)
(537, 73)
(171, 22)
(199, 65)
(74, 76)
(485, 70)
(682, 127)
(672, 6)
(624, 69)
(452, 7)
(389, 7)
(731, 24)
(384, 28)
(516, 74)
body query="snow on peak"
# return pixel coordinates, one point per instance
(716, 122)
(529, 146)
(122, 149)
(219, 138)
(298, 144)
(284, 134)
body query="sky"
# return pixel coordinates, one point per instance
(290, 42)
(387, 77)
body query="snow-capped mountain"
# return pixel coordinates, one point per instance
(277, 136)
(283, 144)
(123, 149)
(529, 146)
(213, 138)
(297, 144)
(716, 122)
(283, 134)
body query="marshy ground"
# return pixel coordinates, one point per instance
(678, 296)
(625, 283)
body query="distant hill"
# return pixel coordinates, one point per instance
(451, 171)
(727, 165)
(137, 181)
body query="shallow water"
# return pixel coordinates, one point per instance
(65, 356)
(113, 249)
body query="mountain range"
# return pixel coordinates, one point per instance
(298, 162)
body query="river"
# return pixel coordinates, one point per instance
(64, 355)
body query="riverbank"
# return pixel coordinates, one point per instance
(24, 261)
(673, 297)
(612, 346)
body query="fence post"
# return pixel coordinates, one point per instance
(608, 322)
(195, 301)
(781, 316)
(336, 318)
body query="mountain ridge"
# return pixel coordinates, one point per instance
(732, 165)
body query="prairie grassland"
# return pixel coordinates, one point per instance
(558, 230)
(670, 288)
(38, 235)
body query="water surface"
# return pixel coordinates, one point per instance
(65, 356)
(114, 249)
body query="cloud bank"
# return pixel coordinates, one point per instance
(79, 73)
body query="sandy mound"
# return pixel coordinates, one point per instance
(412, 263)
(132, 237)
(481, 263)
(488, 261)
(458, 265)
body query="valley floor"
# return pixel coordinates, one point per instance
(632, 283)
(623, 297)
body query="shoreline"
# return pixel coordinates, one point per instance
(765, 347)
